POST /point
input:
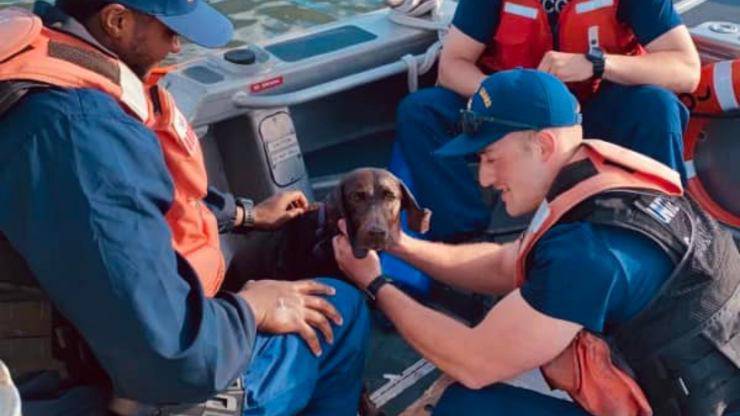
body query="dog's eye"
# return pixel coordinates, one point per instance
(359, 196)
(388, 195)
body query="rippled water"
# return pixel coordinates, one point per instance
(256, 20)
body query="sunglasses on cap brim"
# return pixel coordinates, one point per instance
(471, 122)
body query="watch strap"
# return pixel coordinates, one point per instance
(247, 206)
(372, 289)
(596, 56)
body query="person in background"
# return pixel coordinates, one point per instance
(623, 59)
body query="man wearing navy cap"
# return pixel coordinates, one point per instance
(102, 182)
(614, 250)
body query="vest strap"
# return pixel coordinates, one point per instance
(571, 175)
(12, 91)
(85, 58)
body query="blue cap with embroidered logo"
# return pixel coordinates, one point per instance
(194, 20)
(509, 101)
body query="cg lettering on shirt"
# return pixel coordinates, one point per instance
(554, 6)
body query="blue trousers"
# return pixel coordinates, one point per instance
(285, 378)
(647, 119)
(502, 399)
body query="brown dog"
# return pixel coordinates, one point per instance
(370, 200)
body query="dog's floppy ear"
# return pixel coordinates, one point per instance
(416, 217)
(335, 208)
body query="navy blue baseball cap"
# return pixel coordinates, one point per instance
(194, 20)
(509, 101)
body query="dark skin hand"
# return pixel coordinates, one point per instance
(293, 307)
(278, 209)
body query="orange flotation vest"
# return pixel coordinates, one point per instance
(585, 369)
(524, 35)
(32, 52)
(717, 95)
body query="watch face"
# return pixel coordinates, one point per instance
(596, 53)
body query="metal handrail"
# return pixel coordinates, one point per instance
(243, 99)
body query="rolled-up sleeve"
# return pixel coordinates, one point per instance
(649, 19)
(84, 196)
(223, 206)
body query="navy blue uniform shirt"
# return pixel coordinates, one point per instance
(597, 276)
(648, 18)
(84, 189)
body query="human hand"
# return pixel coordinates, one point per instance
(278, 209)
(568, 67)
(293, 307)
(400, 246)
(360, 271)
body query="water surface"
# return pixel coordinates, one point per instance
(256, 20)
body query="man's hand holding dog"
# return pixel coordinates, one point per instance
(360, 271)
(278, 209)
(287, 307)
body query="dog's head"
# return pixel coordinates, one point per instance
(371, 200)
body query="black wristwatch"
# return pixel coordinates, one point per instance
(596, 56)
(247, 206)
(371, 291)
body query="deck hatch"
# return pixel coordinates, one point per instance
(320, 43)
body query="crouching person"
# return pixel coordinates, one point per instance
(103, 189)
(617, 262)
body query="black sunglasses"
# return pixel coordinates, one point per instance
(471, 122)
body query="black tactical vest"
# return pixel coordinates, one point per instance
(683, 349)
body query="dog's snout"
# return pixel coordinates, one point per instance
(377, 233)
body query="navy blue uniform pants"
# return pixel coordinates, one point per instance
(502, 399)
(647, 119)
(284, 377)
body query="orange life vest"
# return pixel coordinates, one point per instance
(718, 93)
(524, 35)
(585, 369)
(32, 52)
